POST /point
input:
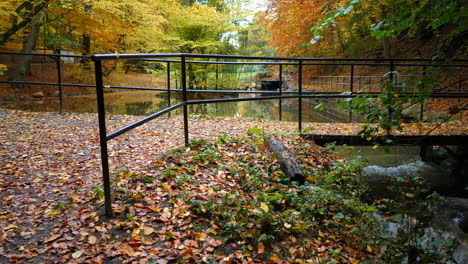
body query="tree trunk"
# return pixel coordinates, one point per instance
(26, 18)
(192, 78)
(86, 39)
(23, 66)
(387, 53)
(286, 160)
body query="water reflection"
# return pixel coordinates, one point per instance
(148, 102)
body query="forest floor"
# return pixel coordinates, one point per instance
(51, 207)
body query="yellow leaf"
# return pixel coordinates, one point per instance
(201, 237)
(154, 209)
(320, 233)
(50, 239)
(10, 227)
(369, 249)
(77, 254)
(301, 228)
(264, 207)
(165, 186)
(274, 257)
(92, 240)
(121, 225)
(53, 212)
(101, 228)
(136, 231)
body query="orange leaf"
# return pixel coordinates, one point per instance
(261, 248)
(274, 257)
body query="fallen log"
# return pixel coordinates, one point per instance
(286, 160)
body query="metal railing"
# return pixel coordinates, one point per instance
(299, 94)
(348, 83)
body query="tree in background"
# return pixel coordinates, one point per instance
(17, 15)
(58, 24)
(290, 21)
(366, 28)
(253, 38)
(110, 26)
(196, 29)
(199, 29)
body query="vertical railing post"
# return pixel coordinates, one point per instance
(280, 108)
(103, 136)
(389, 108)
(184, 99)
(351, 90)
(59, 82)
(169, 87)
(392, 69)
(421, 114)
(217, 75)
(300, 97)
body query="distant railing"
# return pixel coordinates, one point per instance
(347, 86)
(9, 58)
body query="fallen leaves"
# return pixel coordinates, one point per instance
(49, 170)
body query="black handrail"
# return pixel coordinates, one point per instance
(184, 59)
(300, 94)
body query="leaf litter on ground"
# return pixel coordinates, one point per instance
(218, 201)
